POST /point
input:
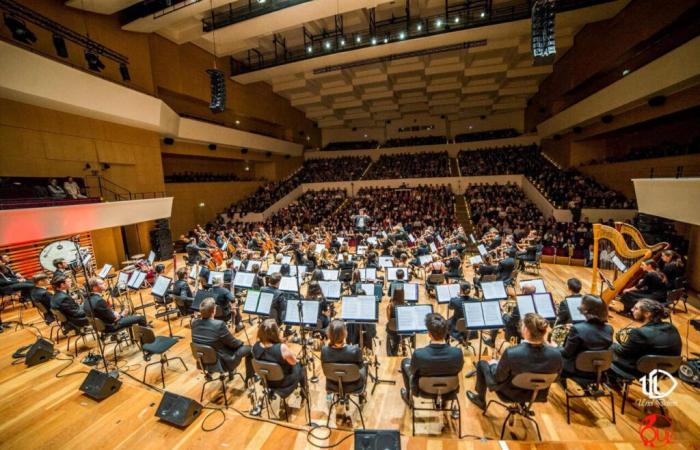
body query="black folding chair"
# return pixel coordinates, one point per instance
(155, 345)
(442, 391)
(208, 362)
(342, 375)
(594, 363)
(646, 364)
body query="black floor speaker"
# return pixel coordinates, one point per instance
(40, 351)
(178, 410)
(99, 385)
(377, 440)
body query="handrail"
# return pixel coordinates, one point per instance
(104, 187)
(230, 16)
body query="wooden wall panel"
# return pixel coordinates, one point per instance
(25, 257)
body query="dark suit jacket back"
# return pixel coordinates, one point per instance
(505, 269)
(215, 334)
(590, 335)
(73, 312)
(525, 357)
(435, 360)
(659, 338)
(349, 354)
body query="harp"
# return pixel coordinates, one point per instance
(629, 246)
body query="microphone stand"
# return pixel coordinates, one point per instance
(304, 355)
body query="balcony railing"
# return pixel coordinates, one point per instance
(229, 15)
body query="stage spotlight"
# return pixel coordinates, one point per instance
(438, 23)
(309, 49)
(124, 70)
(93, 61)
(402, 35)
(19, 30)
(60, 45)
(419, 27)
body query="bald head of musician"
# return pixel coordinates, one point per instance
(274, 280)
(528, 289)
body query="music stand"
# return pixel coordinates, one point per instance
(410, 319)
(482, 316)
(371, 289)
(258, 303)
(330, 289)
(541, 304)
(446, 292)
(493, 290)
(410, 291)
(574, 303)
(476, 259)
(368, 273)
(160, 290)
(330, 275)
(135, 282)
(537, 282)
(243, 280)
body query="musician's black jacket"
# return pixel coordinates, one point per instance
(458, 311)
(435, 360)
(525, 357)
(182, 289)
(563, 313)
(653, 338)
(590, 335)
(215, 334)
(453, 266)
(73, 312)
(98, 306)
(348, 354)
(279, 304)
(223, 298)
(41, 295)
(505, 269)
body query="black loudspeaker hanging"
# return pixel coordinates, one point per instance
(178, 410)
(217, 80)
(99, 385)
(544, 46)
(39, 352)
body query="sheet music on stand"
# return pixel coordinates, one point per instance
(374, 289)
(104, 270)
(425, 259)
(619, 264)
(340, 257)
(410, 319)
(391, 273)
(309, 309)
(330, 289)
(136, 280)
(193, 272)
(236, 264)
(537, 303)
(286, 259)
(537, 282)
(372, 240)
(574, 303)
(257, 302)
(330, 275)
(386, 261)
(151, 257)
(433, 248)
(243, 279)
(494, 290)
(160, 287)
(289, 284)
(369, 273)
(446, 292)
(410, 291)
(122, 279)
(249, 266)
(476, 259)
(319, 248)
(482, 250)
(213, 274)
(360, 308)
(483, 315)
(361, 250)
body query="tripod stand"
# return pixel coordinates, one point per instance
(373, 376)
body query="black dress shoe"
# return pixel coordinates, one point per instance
(474, 398)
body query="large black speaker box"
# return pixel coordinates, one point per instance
(377, 440)
(40, 351)
(99, 385)
(162, 243)
(178, 410)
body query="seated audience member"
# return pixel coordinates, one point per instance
(72, 189)
(593, 334)
(55, 190)
(531, 355)
(41, 295)
(63, 302)
(563, 312)
(437, 359)
(653, 337)
(652, 286)
(338, 352)
(270, 348)
(96, 305)
(213, 332)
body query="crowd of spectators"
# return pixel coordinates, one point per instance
(199, 177)
(351, 145)
(653, 151)
(30, 192)
(311, 209)
(410, 165)
(563, 188)
(486, 135)
(415, 140)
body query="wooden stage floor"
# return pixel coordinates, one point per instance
(39, 410)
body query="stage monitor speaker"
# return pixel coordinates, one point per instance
(99, 385)
(178, 410)
(39, 352)
(377, 440)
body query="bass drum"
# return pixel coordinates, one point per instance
(690, 372)
(59, 249)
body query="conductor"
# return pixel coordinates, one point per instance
(360, 221)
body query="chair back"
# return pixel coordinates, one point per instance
(341, 373)
(438, 385)
(534, 382)
(41, 308)
(596, 361)
(391, 325)
(97, 324)
(204, 355)
(268, 371)
(648, 363)
(143, 334)
(461, 325)
(436, 278)
(674, 295)
(59, 315)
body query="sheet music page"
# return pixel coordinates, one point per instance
(300, 271)
(213, 274)
(330, 275)
(411, 238)
(330, 289)
(386, 261)
(543, 303)
(368, 274)
(619, 264)
(151, 257)
(138, 282)
(494, 290)
(525, 305)
(123, 278)
(368, 288)
(265, 303)
(286, 259)
(310, 310)
(361, 308)
(476, 259)
(372, 240)
(161, 286)
(105, 270)
(350, 309)
(454, 289)
(425, 259)
(249, 267)
(574, 303)
(473, 315)
(132, 277)
(537, 282)
(274, 268)
(291, 314)
(443, 294)
(243, 279)
(319, 248)
(361, 249)
(482, 249)
(492, 314)
(193, 272)
(411, 292)
(236, 264)
(289, 284)
(251, 301)
(368, 307)
(433, 248)
(413, 317)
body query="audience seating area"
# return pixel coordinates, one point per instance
(200, 177)
(486, 135)
(26, 192)
(410, 165)
(313, 208)
(351, 145)
(413, 141)
(663, 150)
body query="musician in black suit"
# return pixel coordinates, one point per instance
(41, 295)
(651, 286)
(563, 312)
(593, 334)
(279, 304)
(11, 281)
(399, 281)
(194, 250)
(61, 266)
(456, 305)
(214, 333)
(435, 360)
(506, 266)
(654, 337)
(338, 352)
(454, 265)
(181, 287)
(97, 306)
(65, 303)
(671, 265)
(223, 298)
(531, 355)
(483, 269)
(360, 221)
